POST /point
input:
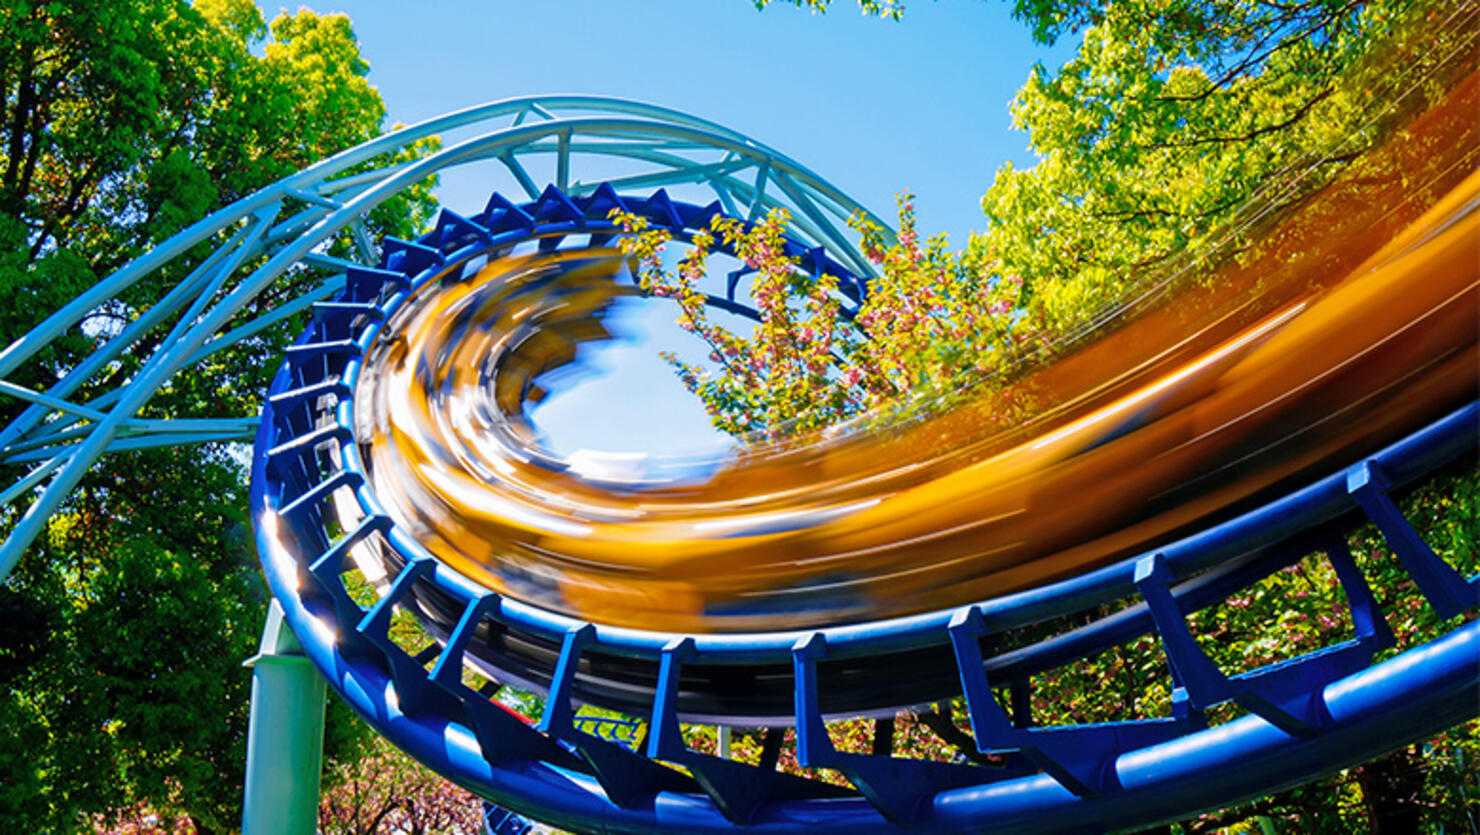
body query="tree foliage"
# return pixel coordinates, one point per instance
(1163, 142)
(381, 791)
(121, 685)
(891, 9)
(1171, 119)
(146, 600)
(1172, 132)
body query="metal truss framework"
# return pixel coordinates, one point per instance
(1305, 716)
(285, 229)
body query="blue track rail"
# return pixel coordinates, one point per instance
(1305, 716)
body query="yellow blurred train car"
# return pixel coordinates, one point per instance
(1352, 322)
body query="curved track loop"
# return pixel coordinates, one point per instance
(1270, 378)
(273, 241)
(1306, 715)
(1303, 717)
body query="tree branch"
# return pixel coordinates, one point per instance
(1299, 114)
(1254, 58)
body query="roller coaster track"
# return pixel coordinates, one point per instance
(319, 518)
(1313, 713)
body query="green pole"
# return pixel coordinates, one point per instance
(285, 740)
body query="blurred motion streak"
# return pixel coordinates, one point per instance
(1331, 325)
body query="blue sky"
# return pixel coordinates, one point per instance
(875, 106)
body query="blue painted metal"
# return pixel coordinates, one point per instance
(1447, 591)
(1055, 778)
(1079, 758)
(499, 821)
(1281, 693)
(1308, 716)
(671, 148)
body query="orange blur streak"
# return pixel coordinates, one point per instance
(1351, 323)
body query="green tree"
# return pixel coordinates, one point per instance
(1166, 147)
(384, 790)
(1173, 118)
(892, 9)
(1162, 146)
(126, 624)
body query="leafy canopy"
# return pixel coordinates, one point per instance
(125, 627)
(1172, 120)
(1174, 124)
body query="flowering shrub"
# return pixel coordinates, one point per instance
(783, 376)
(933, 325)
(142, 819)
(385, 792)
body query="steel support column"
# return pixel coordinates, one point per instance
(285, 739)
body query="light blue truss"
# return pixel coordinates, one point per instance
(284, 230)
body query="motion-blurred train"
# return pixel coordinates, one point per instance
(1351, 319)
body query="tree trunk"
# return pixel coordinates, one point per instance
(1392, 788)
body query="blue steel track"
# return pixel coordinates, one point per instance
(1306, 716)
